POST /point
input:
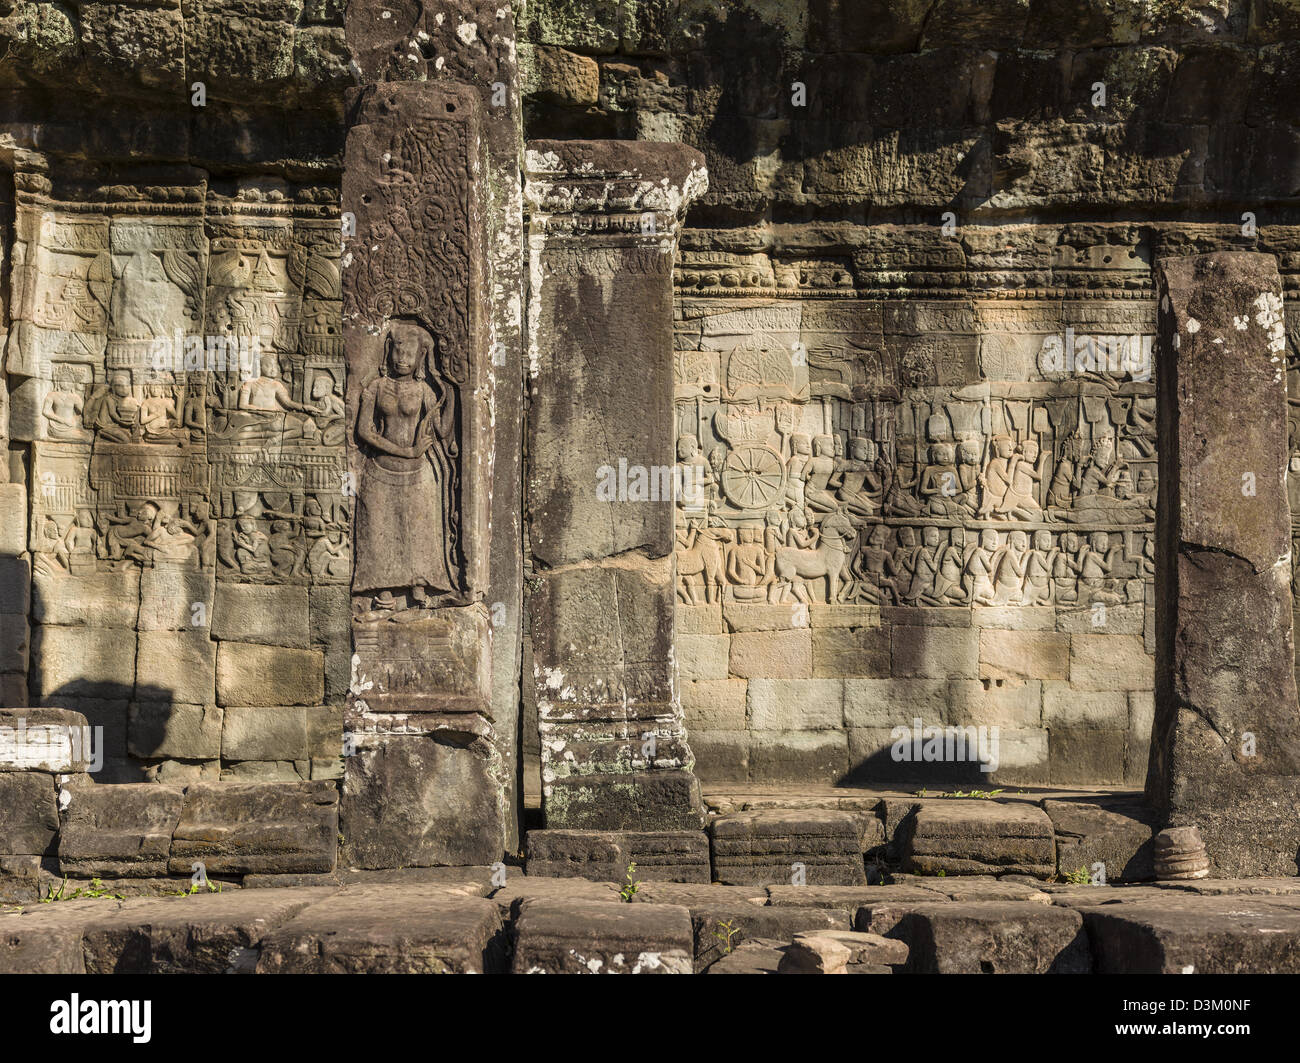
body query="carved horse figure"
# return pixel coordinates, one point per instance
(828, 559)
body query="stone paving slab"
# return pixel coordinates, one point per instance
(389, 930)
(589, 937)
(950, 925)
(995, 937)
(1187, 934)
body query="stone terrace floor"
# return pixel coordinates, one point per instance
(454, 920)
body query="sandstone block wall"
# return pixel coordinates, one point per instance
(914, 334)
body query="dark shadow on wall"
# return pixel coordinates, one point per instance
(130, 725)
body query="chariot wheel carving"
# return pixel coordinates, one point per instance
(753, 476)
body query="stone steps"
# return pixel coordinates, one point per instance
(463, 924)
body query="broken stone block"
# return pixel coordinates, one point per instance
(753, 956)
(118, 831)
(764, 847)
(414, 800)
(45, 939)
(248, 674)
(1205, 935)
(996, 937)
(979, 838)
(582, 937)
(1113, 832)
(815, 954)
(239, 828)
(57, 741)
(719, 928)
(29, 814)
(388, 930)
(838, 951)
(674, 856)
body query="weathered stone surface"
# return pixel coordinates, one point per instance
(273, 616)
(249, 674)
(416, 800)
(1115, 833)
(207, 933)
(1226, 663)
(520, 891)
(388, 930)
(184, 732)
(658, 800)
(118, 831)
(764, 846)
(236, 828)
(675, 856)
(1219, 935)
(995, 937)
(580, 937)
(836, 951)
(29, 816)
(978, 837)
(752, 956)
(720, 926)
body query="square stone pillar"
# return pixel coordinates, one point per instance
(601, 453)
(1225, 750)
(432, 288)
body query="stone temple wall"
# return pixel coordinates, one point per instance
(175, 512)
(914, 331)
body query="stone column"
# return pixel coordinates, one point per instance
(1225, 751)
(603, 231)
(432, 328)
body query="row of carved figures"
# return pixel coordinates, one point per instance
(270, 546)
(796, 560)
(1016, 479)
(259, 409)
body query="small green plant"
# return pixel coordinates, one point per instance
(195, 887)
(726, 933)
(630, 884)
(1081, 877)
(985, 795)
(95, 891)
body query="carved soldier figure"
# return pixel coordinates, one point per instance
(868, 568)
(252, 548)
(1065, 569)
(977, 577)
(996, 477)
(1009, 576)
(1038, 570)
(1095, 564)
(952, 565)
(405, 517)
(1020, 501)
(925, 570)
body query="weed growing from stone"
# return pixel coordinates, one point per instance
(630, 885)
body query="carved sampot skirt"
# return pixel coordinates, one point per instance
(401, 527)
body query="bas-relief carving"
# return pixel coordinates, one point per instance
(417, 425)
(894, 490)
(182, 459)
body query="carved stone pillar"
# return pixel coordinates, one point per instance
(603, 231)
(432, 305)
(1225, 751)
